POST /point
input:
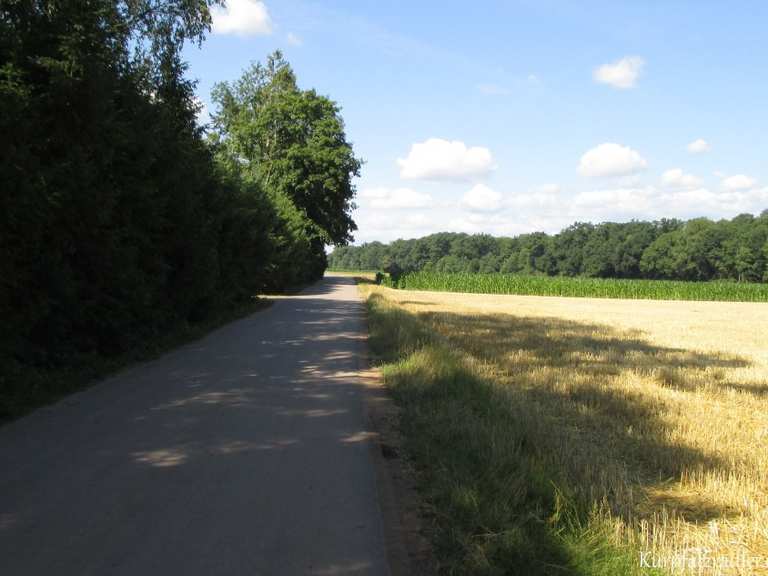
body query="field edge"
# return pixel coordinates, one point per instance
(450, 414)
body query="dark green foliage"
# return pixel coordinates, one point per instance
(292, 142)
(699, 249)
(118, 221)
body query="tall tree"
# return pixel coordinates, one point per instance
(293, 142)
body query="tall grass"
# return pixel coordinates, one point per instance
(583, 287)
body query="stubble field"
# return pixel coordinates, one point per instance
(581, 433)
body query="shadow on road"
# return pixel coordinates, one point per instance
(247, 450)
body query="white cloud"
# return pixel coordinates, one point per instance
(501, 224)
(699, 146)
(738, 182)
(393, 198)
(611, 159)
(387, 226)
(652, 203)
(412, 221)
(470, 224)
(482, 199)
(546, 208)
(621, 74)
(676, 178)
(436, 159)
(242, 17)
(485, 223)
(539, 199)
(551, 212)
(619, 202)
(705, 202)
(688, 203)
(294, 39)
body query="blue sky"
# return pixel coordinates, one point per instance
(511, 117)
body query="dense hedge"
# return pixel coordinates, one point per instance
(119, 219)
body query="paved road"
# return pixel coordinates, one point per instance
(245, 452)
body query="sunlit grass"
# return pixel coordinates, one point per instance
(577, 433)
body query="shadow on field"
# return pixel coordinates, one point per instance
(546, 420)
(581, 379)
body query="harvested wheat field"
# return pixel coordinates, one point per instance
(653, 413)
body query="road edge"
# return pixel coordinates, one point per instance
(408, 550)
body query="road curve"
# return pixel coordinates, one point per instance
(246, 452)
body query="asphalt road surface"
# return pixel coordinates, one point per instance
(246, 452)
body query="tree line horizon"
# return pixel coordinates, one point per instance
(699, 249)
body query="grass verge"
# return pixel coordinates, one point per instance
(497, 506)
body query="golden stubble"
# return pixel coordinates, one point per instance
(655, 412)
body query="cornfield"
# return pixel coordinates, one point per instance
(582, 287)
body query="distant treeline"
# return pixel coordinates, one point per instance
(121, 218)
(699, 249)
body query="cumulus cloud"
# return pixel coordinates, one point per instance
(676, 178)
(501, 224)
(537, 210)
(395, 198)
(547, 209)
(611, 159)
(481, 198)
(621, 74)
(699, 146)
(436, 159)
(614, 203)
(715, 204)
(651, 202)
(738, 182)
(471, 224)
(387, 226)
(543, 198)
(497, 224)
(242, 17)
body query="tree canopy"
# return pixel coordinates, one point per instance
(292, 142)
(700, 249)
